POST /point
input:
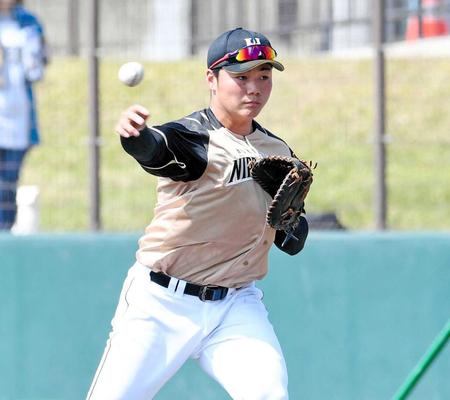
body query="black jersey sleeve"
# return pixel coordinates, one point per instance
(174, 150)
(295, 244)
(147, 147)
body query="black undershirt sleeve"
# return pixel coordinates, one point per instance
(295, 244)
(147, 147)
(174, 150)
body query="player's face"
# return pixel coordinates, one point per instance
(242, 96)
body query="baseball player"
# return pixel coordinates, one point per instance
(191, 292)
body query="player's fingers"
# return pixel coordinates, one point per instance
(126, 129)
(135, 119)
(140, 110)
(132, 120)
(131, 123)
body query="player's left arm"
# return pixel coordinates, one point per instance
(296, 243)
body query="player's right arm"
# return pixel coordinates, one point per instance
(170, 150)
(137, 140)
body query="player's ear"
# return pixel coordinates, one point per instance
(211, 79)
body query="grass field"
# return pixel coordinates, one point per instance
(322, 107)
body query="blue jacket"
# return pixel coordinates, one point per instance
(26, 19)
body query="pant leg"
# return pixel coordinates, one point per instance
(153, 334)
(244, 354)
(10, 165)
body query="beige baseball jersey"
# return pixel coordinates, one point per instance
(209, 225)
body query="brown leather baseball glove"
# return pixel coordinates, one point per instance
(287, 180)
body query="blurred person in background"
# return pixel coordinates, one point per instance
(23, 57)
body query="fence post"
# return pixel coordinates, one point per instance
(380, 191)
(73, 28)
(93, 104)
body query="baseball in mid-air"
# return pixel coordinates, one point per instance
(131, 73)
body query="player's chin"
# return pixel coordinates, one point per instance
(252, 109)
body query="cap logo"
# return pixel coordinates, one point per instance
(252, 41)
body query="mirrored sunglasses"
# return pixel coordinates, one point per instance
(250, 53)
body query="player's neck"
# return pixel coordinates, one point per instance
(241, 126)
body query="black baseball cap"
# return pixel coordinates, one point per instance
(233, 41)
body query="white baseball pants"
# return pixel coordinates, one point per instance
(156, 329)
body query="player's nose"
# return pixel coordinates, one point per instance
(253, 88)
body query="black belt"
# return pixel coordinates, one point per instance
(207, 292)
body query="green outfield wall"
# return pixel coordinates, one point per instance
(354, 313)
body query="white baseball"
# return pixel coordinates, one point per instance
(131, 73)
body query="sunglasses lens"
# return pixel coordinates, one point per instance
(255, 53)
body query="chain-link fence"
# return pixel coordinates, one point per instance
(150, 27)
(323, 106)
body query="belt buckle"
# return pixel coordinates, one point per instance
(204, 289)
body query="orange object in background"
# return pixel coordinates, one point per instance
(433, 24)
